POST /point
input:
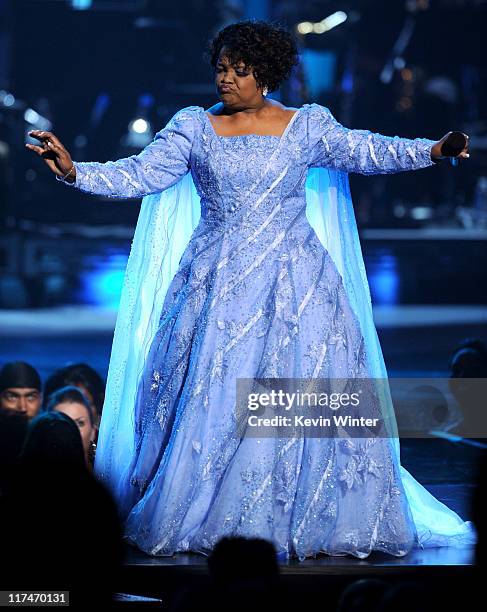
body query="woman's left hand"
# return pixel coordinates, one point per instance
(436, 153)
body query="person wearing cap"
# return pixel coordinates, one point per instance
(20, 389)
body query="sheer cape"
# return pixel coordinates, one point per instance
(165, 224)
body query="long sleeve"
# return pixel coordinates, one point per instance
(362, 151)
(158, 166)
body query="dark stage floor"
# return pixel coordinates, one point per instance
(320, 579)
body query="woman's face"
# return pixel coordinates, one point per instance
(91, 401)
(236, 86)
(80, 416)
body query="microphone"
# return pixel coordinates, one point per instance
(453, 146)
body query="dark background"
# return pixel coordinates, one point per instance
(91, 72)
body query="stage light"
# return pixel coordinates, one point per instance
(38, 121)
(404, 104)
(421, 213)
(7, 98)
(31, 116)
(399, 63)
(384, 279)
(320, 27)
(407, 74)
(102, 279)
(140, 126)
(305, 27)
(319, 69)
(334, 20)
(399, 211)
(116, 6)
(81, 5)
(139, 133)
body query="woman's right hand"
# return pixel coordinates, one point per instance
(54, 154)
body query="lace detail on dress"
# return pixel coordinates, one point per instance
(255, 294)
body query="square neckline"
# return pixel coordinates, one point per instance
(281, 137)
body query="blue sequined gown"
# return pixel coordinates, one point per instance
(256, 295)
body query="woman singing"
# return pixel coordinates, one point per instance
(246, 264)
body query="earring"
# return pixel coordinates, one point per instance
(265, 91)
(92, 451)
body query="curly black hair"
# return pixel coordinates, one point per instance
(266, 47)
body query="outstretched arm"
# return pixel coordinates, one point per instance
(158, 166)
(366, 152)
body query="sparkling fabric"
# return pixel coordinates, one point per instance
(256, 295)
